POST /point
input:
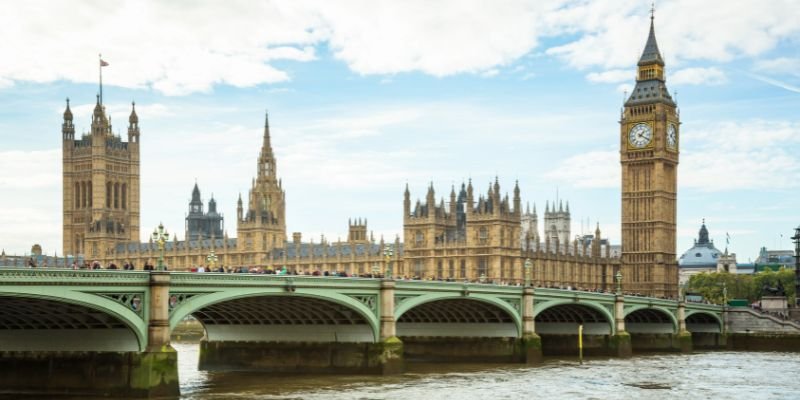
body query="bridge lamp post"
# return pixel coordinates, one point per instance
(388, 253)
(160, 237)
(212, 259)
(618, 279)
(528, 268)
(796, 239)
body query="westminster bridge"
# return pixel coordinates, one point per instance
(108, 332)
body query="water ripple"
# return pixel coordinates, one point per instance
(707, 375)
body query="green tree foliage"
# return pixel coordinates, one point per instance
(710, 284)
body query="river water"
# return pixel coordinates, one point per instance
(702, 375)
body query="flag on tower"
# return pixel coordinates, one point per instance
(103, 63)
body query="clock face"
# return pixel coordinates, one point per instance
(672, 136)
(640, 135)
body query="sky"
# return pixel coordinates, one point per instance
(367, 96)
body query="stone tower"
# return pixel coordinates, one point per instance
(529, 232)
(263, 227)
(649, 129)
(203, 225)
(101, 185)
(357, 231)
(557, 223)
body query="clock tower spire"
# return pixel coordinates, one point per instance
(649, 159)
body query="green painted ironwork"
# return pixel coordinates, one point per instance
(126, 294)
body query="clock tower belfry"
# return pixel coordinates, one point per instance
(649, 128)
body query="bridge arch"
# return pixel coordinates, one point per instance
(562, 317)
(702, 321)
(29, 321)
(650, 319)
(273, 314)
(450, 314)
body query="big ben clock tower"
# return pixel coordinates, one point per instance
(649, 137)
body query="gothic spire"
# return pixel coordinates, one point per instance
(651, 54)
(267, 145)
(133, 119)
(196, 194)
(68, 112)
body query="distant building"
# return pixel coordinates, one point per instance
(203, 225)
(702, 257)
(774, 259)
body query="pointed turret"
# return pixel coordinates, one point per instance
(67, 112)
(430, 199)
(651, 55)
(133, 119)
(703, 236)
(650, 82)
(239, 208)
(406, 202)
(212, 205)
(67, 128)
(133, 125)
(196, 204)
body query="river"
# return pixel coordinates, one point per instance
(702, 375)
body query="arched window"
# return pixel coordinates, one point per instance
(116, 195)
(77, 195)
(419, 238)
(124, 196)
(483, 235)
(89, 192)
(108, 194)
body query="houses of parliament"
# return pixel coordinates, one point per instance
(469, 234)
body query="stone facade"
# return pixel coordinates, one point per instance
(100, 185)
(471, 237)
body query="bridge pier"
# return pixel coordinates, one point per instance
(619, 344)
(684, 336)
(390, 348)
(531, 343)
(156, 369)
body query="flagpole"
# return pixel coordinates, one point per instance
(100, 67)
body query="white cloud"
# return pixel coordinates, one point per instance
(612, 76)
(780, 65)
(440, 38)
(730, 156)
(178, 50)
(593, 169)
(29, 170)
(613, 32)
(750, 155)
(698, 76)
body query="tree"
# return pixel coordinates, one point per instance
(710, 284)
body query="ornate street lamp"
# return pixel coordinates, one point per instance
(528, 268)
(160, 237)
(724, 294)
(618, 279)
(388, 253)
(212, 259)
(796, 239)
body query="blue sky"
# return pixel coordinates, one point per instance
(366, 96)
